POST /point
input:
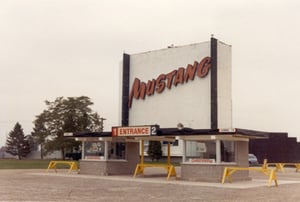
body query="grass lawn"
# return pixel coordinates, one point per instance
(25, 164)
(43, 164)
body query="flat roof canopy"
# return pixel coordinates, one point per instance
(171, 134)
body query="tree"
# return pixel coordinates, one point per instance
(72, 114)
(154, 150)
(40, 133)
(17, 144)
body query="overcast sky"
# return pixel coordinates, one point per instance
(52, 48)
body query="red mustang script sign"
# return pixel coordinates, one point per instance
(180, 76)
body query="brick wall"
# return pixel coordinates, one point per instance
(214, 172)
(113, 167)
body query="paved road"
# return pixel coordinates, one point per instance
(37, 185)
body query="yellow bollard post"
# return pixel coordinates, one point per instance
(273, 177)
(140, 166)
(225, 174)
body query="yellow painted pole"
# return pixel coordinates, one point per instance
(142, 155)
(169, 158)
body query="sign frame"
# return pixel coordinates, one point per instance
(134, 131)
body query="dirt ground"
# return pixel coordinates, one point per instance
(38, 185)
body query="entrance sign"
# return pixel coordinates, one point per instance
(134, 131)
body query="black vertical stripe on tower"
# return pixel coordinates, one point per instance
(214, 84)
(125, 89)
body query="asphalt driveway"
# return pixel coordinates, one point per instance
(38, 185)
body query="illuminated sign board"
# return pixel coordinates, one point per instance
(134, 131)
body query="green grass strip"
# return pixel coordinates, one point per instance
(26, 164)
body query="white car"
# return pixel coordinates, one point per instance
(252, 160)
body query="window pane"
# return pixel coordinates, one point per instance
(205, 151)
(201, 151)
(227, 151)
(94, 150)
(116, 150)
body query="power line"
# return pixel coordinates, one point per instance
(11, 121)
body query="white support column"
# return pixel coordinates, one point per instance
(82, 149)
(183, 151)
(105, 150)
(218, 151)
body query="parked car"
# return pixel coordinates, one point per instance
(74, 156)
(252, 160)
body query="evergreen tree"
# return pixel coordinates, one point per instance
(154, 150)
(17, 144)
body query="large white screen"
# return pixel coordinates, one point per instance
(187, 103)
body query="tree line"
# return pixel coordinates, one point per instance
(71, 114)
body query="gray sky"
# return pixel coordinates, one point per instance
(52, 48)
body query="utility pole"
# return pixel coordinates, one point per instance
(102, 124)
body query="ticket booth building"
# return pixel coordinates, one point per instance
(205, 153)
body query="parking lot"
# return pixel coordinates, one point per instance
(38, 185)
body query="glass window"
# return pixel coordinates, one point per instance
(175, 143)
(205, 151)
(116, 150)
(227, 151)
(146, 147)
(201, 151)
(94, 150)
